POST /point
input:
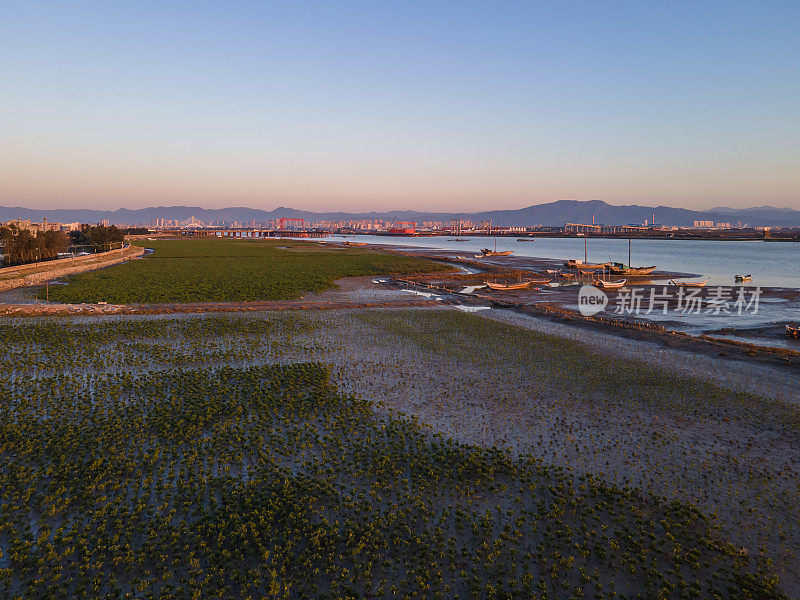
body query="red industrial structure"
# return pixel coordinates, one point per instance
(402, 228)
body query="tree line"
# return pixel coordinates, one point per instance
(21, 246)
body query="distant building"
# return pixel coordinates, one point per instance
(581, 228)
(704, 224)
(33, 228)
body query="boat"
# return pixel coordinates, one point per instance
(742, 277)
(622, 269)
(514, 286)
(524, 239)
(354, 243)
(567, 275)
(499, 287)
(618, 268)
(693, 284)
(583, 266)
(610, 285)
(793, 330)
(458, 240)
(487, 252)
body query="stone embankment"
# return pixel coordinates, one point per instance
(35, 274)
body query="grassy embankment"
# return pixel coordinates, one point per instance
(229, 270)
(125, 471)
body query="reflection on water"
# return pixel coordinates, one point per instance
(764, 327)
(771, 264)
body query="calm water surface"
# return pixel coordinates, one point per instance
(775, 264)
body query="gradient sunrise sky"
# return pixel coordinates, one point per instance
(392, 105)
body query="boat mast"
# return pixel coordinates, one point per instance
(586, 247)
(629, 250)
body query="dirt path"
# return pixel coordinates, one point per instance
(39, 310)
(27, 275)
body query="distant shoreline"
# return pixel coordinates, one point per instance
(611, 236)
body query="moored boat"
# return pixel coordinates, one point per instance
(696, 284)
(499, 287)
(742, 277)
(622, 269)
(487, 252)
(584, 266)
(514, 286)
(610, 285)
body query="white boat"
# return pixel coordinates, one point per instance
(610, 285)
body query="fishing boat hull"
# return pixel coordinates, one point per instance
(571, 264)
(692, 284)
(487, 252)
(500, 287)
(631, 271)
(610, 285)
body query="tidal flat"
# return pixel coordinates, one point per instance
(494, 460)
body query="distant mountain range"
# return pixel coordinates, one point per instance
(551, 213)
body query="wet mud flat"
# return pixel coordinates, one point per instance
(734, 325)
(580, 404)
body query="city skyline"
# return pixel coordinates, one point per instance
(359, 107)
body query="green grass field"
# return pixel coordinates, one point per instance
(228, 270)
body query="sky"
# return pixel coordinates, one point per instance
(428, 105)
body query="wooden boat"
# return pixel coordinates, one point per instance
(742, 277)
(567, 275)
(621, 269)
(354, 243)
(487, 252)
(582, 266)
(694, 284)
(499, 287)
(610, 285)
(552, 271)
